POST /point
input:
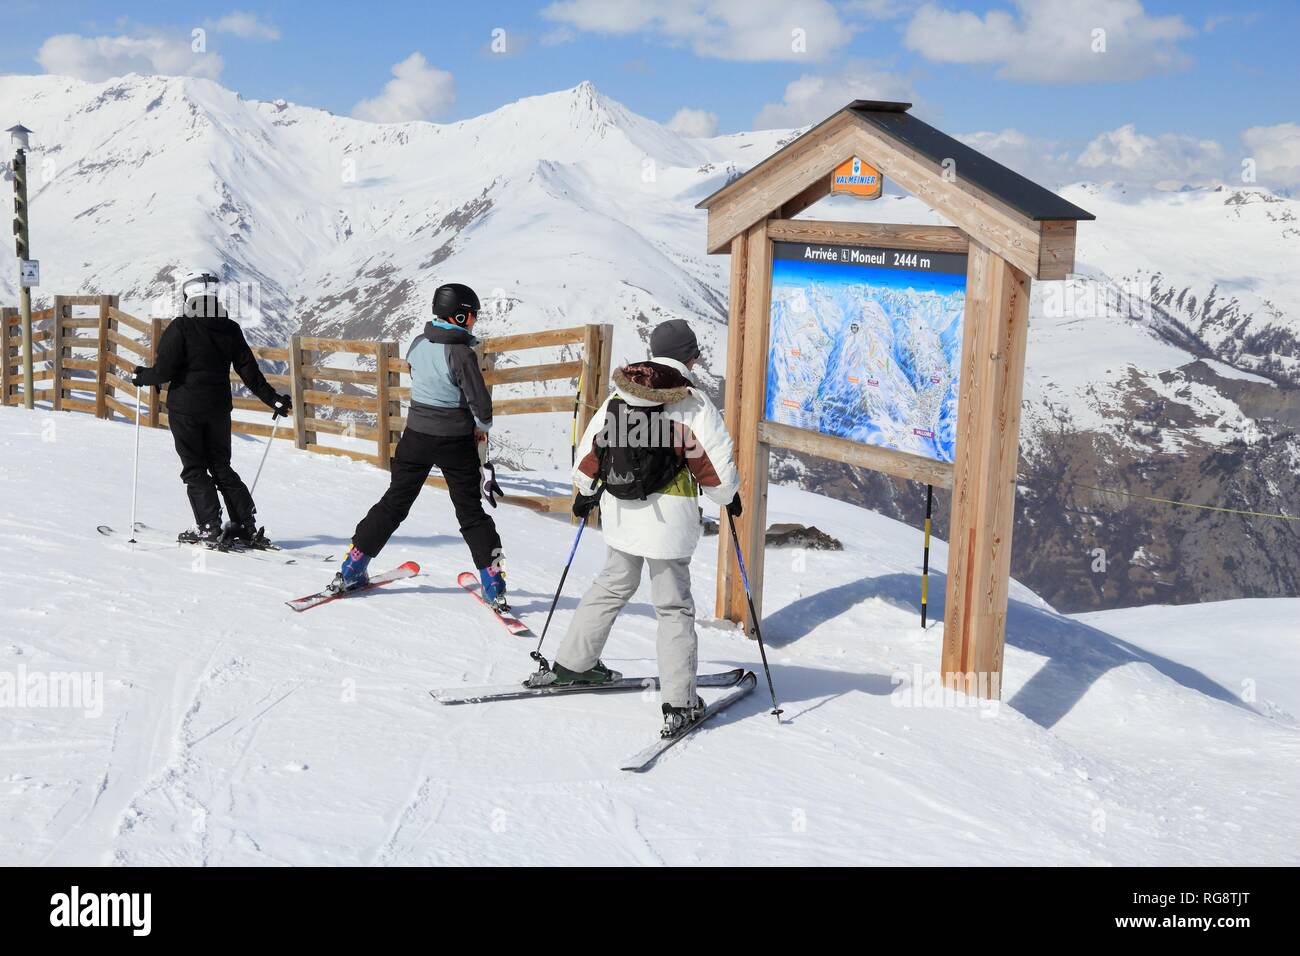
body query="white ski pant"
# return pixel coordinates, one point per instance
(670, 591)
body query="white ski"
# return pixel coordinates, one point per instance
(476, 695)
(644, 760)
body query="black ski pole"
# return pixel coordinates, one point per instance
(753, 616)
(537, 654)
(925, 556)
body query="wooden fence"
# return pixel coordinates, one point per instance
(83, 360)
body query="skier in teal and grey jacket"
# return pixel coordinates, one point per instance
(446, 428)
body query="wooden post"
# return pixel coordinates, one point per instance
(383, 411)
(7, 316)
(395, 404)
(728, 573)
(155, 394)
(752, 454)
(984, 473)
(596, 388)
(101, 357)
(587, 404)
(56, 349)
(590, 372)
(301, 437)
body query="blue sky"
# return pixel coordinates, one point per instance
(1188, 71)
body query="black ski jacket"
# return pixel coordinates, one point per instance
(195, 355)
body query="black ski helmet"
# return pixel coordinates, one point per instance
(455, 303)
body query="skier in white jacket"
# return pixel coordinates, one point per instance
(652, 446)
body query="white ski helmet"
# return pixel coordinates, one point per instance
(199, 283)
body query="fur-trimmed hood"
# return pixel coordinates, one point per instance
(656, 382)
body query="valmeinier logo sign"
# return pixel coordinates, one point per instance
(856, 178)
(102, 909)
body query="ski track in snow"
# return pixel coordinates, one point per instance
(234, 731)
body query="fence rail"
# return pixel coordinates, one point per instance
(89, 355)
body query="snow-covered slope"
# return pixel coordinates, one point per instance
(233, 731)
(569, 208)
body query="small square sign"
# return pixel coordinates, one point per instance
(31, 272)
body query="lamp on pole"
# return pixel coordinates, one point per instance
(18, 135)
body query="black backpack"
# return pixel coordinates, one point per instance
(637, 450)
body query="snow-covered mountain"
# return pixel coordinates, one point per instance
(1171, 369)
(563, 207)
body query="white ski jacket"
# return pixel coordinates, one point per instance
(667, 524)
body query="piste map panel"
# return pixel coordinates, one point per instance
(865, 344)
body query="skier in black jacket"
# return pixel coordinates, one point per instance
(195, 355)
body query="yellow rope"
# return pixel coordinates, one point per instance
(1171, 501)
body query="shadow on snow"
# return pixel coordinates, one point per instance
(1077, 654)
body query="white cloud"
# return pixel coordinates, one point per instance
(148, 52)
(1053, 41)
(417, 91)
(697, 124)
(558, 37)
(878, 9)
(249, 26)
(814, 96)
(1276, 152)
(722, 29)
(1125, 154)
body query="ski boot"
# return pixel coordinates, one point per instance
(243, 536)
(560, 676)
(246, 536)
(679, 719)
(353, 573)
(493, 579)
(208, 534)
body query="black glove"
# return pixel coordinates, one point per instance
(134, 377)
(583, 505)
(282, 405)
(488, 483)
(735, 508)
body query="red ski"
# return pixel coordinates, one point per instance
(469, 581)
(408, 570)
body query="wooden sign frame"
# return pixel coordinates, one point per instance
(1010, 230)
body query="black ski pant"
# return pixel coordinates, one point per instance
(203, 443)
(417, 453)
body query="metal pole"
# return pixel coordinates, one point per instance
(135, 466)
(753, 615)
(925, 559)
(24, 252)
(536, 654)
(275, 425)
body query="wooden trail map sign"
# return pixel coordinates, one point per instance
(894, 347)
(865, 344)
